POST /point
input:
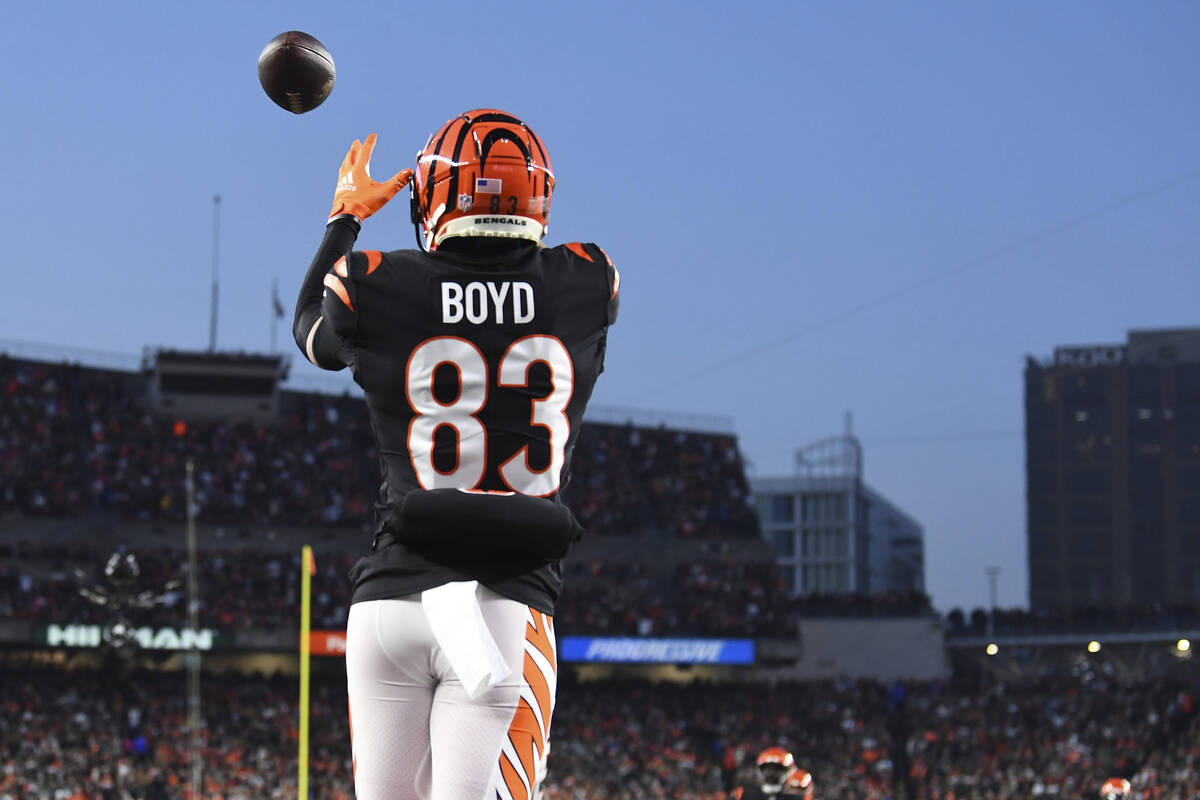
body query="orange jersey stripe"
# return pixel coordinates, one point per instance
(374, 257)
(338, 288)
(577, 249)
(340, 267)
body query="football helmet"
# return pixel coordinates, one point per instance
(775, 766)
(484, 173)
(799, 784)
(1114, 789)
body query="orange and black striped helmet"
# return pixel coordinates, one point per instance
(485, 173)
(775, 766)
(1114, 789)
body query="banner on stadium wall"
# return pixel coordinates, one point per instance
(656, 651)
(327, 643)
(145, 638)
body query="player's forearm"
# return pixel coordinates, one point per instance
(317, 341)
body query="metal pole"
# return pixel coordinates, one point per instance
(992, 573)
(306, 571)
(195, 743)
(212, 320)
(274, 319)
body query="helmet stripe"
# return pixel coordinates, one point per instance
(495, 135)
(452, 191)
(433, 164)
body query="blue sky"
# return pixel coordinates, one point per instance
(816, 207)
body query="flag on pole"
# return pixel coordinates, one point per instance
(275, 304)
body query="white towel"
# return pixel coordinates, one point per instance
(461, 632)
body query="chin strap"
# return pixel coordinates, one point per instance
(414, 213)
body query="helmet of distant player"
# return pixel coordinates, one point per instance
(1114, 789)
(484, 173)
(799, 784)
(775, 766)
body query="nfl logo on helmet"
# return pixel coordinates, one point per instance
(465, 201)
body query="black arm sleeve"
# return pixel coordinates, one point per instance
(318, 342)
(491, 525)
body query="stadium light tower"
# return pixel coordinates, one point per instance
(992, 574)
(212, 319)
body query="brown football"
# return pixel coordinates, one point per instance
(296, 71)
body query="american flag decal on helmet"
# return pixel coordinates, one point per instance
(487, 185)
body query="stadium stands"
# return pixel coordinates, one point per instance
(1057, 737)
(74, 438)
(79, 442)
(674, 550)
(250, 588)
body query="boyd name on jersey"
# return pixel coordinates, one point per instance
(479, 302)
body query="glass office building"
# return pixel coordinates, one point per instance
(833, 534)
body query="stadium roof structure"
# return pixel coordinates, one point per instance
(835, 457)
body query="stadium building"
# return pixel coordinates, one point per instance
(682, 653)
(832, 533)
(1113, 473)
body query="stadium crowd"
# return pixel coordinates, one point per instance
(40, 466)
(74, 438)
(75, 441)
(126, 736)
(251, 588)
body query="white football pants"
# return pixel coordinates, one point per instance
(415, 732)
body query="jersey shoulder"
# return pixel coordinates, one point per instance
(587, 251)
(592, 253)
(364, 265)
(360, 271)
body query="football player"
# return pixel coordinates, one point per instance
(477, 353)
(778, 777)
(799, 784)
(1114, 789)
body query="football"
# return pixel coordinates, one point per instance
(296, 71)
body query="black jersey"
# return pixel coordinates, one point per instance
(476, 370)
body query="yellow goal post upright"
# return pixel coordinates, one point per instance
(308, 568)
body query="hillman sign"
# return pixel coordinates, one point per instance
(146, 638)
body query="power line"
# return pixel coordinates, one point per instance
(941, 438)
(1028, 240)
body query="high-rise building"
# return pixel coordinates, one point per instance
(1112, 437)
(833, 534)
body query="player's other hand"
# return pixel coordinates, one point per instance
(356, 192)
